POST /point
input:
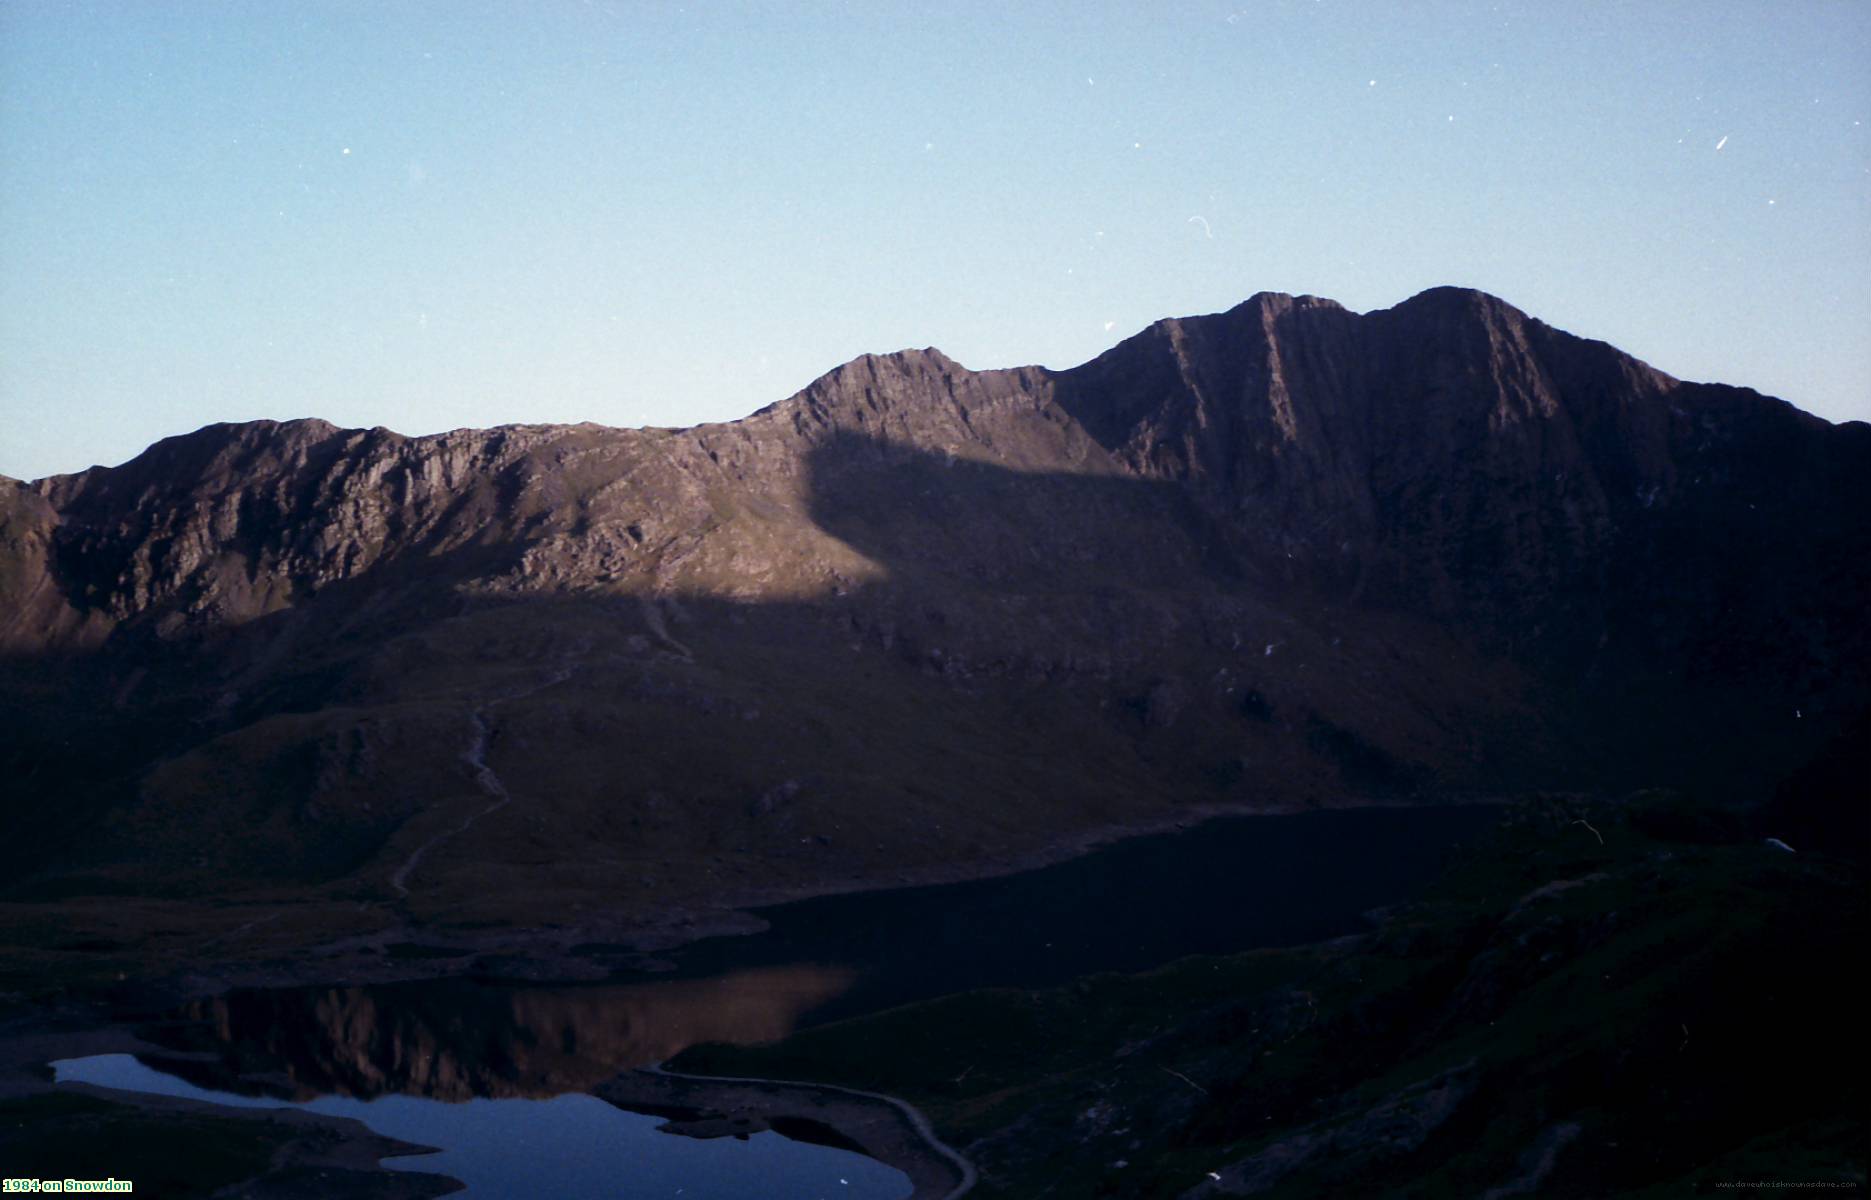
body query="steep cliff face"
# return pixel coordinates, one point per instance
(917, 617)
(1456, 457)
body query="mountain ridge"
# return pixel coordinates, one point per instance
(1426, 296)
(1277, 556)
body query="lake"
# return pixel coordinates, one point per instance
(501, 1076)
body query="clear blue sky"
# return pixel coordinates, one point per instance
(430, 215)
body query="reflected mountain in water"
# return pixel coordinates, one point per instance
(458, 1040)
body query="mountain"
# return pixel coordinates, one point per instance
(913, 622)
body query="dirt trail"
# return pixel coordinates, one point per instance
(653, 618)
(475, 756)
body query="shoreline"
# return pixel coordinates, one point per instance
(621, 944)
(602, 945)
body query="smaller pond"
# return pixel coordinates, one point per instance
(567, 1147)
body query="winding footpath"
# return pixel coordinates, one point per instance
(475, 756)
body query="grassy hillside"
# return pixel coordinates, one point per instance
(1668, 1009)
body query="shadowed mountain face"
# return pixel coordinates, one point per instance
(922, 619)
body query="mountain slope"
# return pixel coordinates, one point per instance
(918, 620)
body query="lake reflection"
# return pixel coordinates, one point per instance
(495, 1077)
(458, 1039)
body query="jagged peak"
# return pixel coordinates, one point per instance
(1256, 307)
(899, 362)
(865, 368)
(1444, 298)
(1281, 301)
(222, 433)
(1450, 297)
(314, 427)
(205, 441)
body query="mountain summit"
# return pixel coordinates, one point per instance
(919, 620)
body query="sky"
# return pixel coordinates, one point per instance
(435, 215)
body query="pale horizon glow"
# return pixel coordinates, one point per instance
(430, 216)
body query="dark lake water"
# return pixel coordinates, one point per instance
(1232, 884)
(500, 1075)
